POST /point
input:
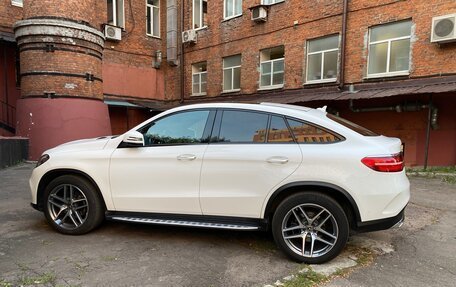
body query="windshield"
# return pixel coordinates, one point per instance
(357, 128)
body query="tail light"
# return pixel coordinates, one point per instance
(392, 163)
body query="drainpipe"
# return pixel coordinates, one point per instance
(428, 132)
(182, 58)
(342, 46)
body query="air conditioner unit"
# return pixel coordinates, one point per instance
(444, 29)
(112, 32)
(259, 13)
(189, 36)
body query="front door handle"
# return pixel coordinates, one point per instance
(277, 159)
(186, 157)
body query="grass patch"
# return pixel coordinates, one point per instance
(446, 173)
(40, 279)
(4, 283)
(436, 169)
(306, 278)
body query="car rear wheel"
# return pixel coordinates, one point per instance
(72, 205)
(310, 227)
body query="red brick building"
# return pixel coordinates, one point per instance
(384, 64)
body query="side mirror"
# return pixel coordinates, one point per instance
(133, 139)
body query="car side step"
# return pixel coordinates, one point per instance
(201, 221)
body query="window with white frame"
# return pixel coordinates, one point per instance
(153, 18)
(19, 3)
(322, 57)
(199, 79)
(116, 15)
(389, 49)
(232, 73)
(199, 14)
(272, 67)
(270, 2)
(232, 8)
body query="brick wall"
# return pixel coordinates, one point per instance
(9, 14)
(292, 22)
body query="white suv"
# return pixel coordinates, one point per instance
(307, 175)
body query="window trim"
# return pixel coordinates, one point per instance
(322, 52)
(152, 20)
(388, 54)
(270, 87)
(270, 4)
(232, 74)
(17, 3)
(202, 26)
(234, 14)
(199, 85)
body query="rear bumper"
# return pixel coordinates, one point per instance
(381, 224)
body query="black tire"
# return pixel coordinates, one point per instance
(87, 203)
(285, 219)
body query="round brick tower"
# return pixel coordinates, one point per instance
(61, 74)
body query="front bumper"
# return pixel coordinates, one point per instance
(381, 224)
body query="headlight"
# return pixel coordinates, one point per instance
(44, 158)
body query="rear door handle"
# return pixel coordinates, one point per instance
(186, 157)
(277, 159)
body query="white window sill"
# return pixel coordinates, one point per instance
(231, 91)
(386, 75)
(202, 28)
(278, 2)
(324, 81)
(152, 36)
(17, 4)
(231, 17)
(198, 95)
(266, 88)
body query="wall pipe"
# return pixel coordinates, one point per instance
(182, 57)
(342, 46)
(428, 133)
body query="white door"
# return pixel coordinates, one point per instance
(163, 176)
(248, 161)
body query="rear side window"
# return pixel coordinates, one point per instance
(307, 133)
(278, 131)
(243, 127)
(354, 127)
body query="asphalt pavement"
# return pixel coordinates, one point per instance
(421, 253)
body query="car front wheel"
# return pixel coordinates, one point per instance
(72, 205)
(310, 227)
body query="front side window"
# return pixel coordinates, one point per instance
(199, 14)
(307, 133)
(153, 18)
(180, 128)
(389, 49)
(199, 79)
(116, 13)
(232, 8)
(272, 67)
(322, 58)
(243, 127)
(232, 73)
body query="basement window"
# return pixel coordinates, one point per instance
(199, 14)
(272, 68)
(153, 18)
(322, 57)
(199, 79)
(116, 13)
(389, 49)
(18, 3)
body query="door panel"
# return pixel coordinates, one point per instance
(235, 178)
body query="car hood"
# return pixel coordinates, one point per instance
(82, 145)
